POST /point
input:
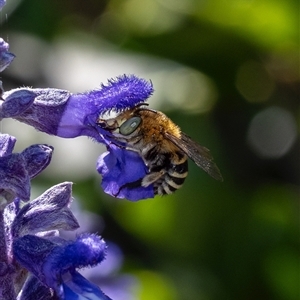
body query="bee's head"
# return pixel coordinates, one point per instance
(126, 123)
(122, 125)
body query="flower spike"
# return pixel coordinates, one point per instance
(67, 115)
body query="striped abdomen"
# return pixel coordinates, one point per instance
(173, 179)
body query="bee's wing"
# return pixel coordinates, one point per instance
(199, 154)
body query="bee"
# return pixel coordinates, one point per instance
(161, 144)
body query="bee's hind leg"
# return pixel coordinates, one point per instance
(152, 177)
(142, 182)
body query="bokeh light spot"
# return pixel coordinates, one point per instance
(155, 286)
(253, 82)
(189, 90)
(272, 132)
(149, 16)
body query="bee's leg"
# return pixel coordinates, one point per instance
(144, 182)
(152, 177)
(125, 147)
(116, 144)
(130, 185)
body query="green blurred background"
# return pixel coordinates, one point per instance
(227, 72)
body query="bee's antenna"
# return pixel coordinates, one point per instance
(139, 107)
(142, 103)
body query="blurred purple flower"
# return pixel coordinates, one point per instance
(67, 115)
(107, 274)
(2, 3)
(77, 287)
(5, 56)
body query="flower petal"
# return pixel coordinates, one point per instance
(37, 158)
(86, 250)
(121, 172)
(49, 260)
(31, 252)
(5, 57)
(67, 115)
(16, 102)
(121, 93)
(50, 211)
(16, 169)
(34, 289)
(78, 287)
(83, 110)
(14, 179)
(46, 110)
(7, 144)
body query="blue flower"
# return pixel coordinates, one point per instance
(77, 287)
(48, 212)
(83, 110)
(5, 57)
(120, 169)
(40, 108)
(53, 262)
(60, 113)
(16, 169)
(35, 263)
(35, 260)
(107, 275)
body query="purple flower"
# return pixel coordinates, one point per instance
(16, 169)
(74, 286)
(40, 108)
(5, 57)
(16, 102)
(34, 260)
(67, 115)
(53, 262)
(107, 275)
(50, 211)
(121, 172)
(83, 110)
(60, 113)
(2, 3)
(77, 286)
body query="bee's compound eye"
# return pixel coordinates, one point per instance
(130, 125)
